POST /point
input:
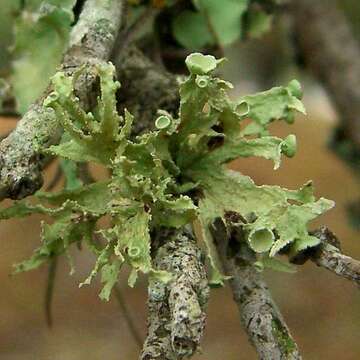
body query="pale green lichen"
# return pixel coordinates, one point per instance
(282, 337)
(162, 122)
(200, 64)
(261, 240)
(153, 175)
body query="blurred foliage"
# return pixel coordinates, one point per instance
(41, 36)
(33, 37)
(8, 12)
(212, 22)
(352, 11)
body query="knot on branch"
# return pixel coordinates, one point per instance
(326, 236)
(177, 309)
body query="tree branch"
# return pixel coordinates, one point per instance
(259, 315)
(329, 256)
(49, 293)
(145, 88)
(330, 50)
(91, 42)
(176, 317)
(176, 311)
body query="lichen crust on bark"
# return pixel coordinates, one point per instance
(177, 310)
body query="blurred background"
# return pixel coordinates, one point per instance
(322, 310)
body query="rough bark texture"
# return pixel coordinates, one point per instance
(91, 42)
(145, 88)
(332, 53)
(176, 317)
(328, 255)
(259, 315)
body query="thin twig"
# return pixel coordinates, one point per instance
(49, 294)
(176, 317)
(260, 317)
(127, 316)
(329, 256)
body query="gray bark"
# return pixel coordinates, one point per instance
(259, 315)
(329, 256)
(145, 88)
(176, 317)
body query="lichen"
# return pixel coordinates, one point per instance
(282, 337)
(177, 309)
(171, 176)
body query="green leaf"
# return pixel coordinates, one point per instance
(175, 212)
(191, 31)
(41, 36)
(224, 18)
(258, 23)
(290, 224)
(109, 269)
(21, 209)
(198, 126)
(144, 172)
(74, 151)
(208, 116)
(214, 22)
